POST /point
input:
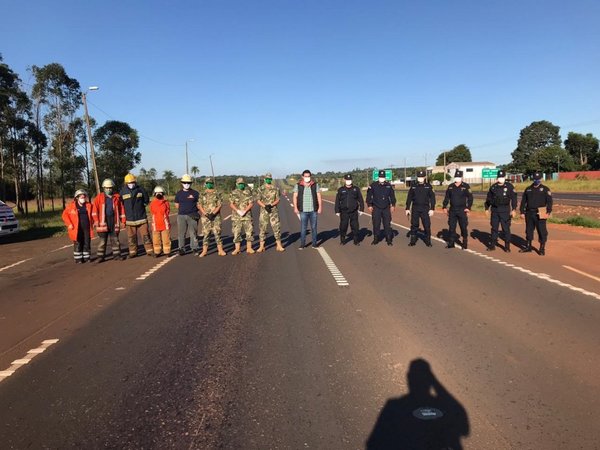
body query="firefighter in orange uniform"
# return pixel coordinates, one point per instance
(109, 218)
(78, 217)
(161, 224)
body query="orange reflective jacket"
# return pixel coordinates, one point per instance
(160, 210)
(99, 212)
(70, 217)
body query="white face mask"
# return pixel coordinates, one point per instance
(130, 185)
(421, 179)
(382, 180)
(81, 200)
(307, 179)
(348, 182)
(186, 186)
(501, 180)
(457, 179)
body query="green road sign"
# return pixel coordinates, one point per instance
(489, 173)
(389, 174)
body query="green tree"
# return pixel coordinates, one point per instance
(117, 152)
(583, 149)
(169, 177)
(460, 153)
(533, 138)
(554, 158)
(61, 97)
(195, 171)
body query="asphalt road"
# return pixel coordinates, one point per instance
(269, 351)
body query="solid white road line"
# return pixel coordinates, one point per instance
(14, 265)
(581, 272)
(18, 363)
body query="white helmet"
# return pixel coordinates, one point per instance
(108, 183)
(79, 192)
(185, 178)
(158, 190)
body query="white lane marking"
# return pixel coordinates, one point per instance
(156, 267)
(18, 363)
(581, 272)
(521, 269)
(63, 247)
(14, 265)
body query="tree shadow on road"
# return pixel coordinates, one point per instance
(428, 417)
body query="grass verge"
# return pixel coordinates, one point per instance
(578, 221)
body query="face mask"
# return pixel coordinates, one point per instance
(457, 179)
(307, 179)
(130, 185)
(159, 196)
(268, 180)
(81, 200)
(348, 182)
(209, 185)
(241, 186)
(186, 185)
(421, 180)
(501, 180)
(108, 191)
(382, 180)
(536, 182)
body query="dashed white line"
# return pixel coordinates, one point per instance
(155, 268)
(18, 363)
(14, 265)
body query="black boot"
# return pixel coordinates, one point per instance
(355, 239)
(450, 244)
(413, 241)
(342, 239)
(492, 246)
(464, 243)
(428, 241)
(542, 248)
(507, 247)
(527, 248)
(375, 241)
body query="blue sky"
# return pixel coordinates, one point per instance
(285, 85)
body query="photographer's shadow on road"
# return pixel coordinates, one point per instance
(428, 417)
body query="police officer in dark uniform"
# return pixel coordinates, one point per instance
(536, 207)
(460, 198)
(501, 202)
(381, 201)
(422, 200)
(348, 202)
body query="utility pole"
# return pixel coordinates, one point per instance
(405, 172)
(89, 130)
(187, 170)
(212, 170)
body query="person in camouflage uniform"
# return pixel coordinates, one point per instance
(209, 205)
(268, 198)
(241, 201)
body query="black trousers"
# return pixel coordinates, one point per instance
(533, 222)
(382, 215)
(460, 216)
(82, 246)
(500, 218)
(349, 217)
(423, 215)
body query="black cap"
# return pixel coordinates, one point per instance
(538, 176)
(421, 173)
(458, 173)
(501, 174)
(381, 174)
(347, 177)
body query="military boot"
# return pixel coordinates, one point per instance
(507, 247)
(527, 248)
(279, 247)
(249, 248)
(413, 241)
(342, 239)
(204, 251)
(465, 243)
(428, 241)
(237, 250)
(492, 246)
(356, 241)
(542, 248)
(261, 247)
(375, 241)
(220, 250)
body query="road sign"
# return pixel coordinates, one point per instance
(487, 172)
(388, 175)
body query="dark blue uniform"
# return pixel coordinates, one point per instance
(421, 199)
(501, 200)
(460, 199)
(348, 202)
(536, 198)
(380, 197)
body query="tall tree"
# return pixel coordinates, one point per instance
(117, 152)
(554, 159)
(460, 153)
(195, 171)
(583, 149)
(533, 138)
(61, 97)
(169, 177)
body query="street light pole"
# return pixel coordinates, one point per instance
(187, 168)
(212, 170)
(89, 131)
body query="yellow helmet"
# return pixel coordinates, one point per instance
(108, 183)
(185, 178)
(129, 178)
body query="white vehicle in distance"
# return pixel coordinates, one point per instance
(8, 222)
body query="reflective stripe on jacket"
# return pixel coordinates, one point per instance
(160, 210)
(70, 217)
(99, 212)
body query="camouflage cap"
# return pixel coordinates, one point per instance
(268, 175)
(208, 180)
(239, 180)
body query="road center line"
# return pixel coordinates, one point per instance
(581, 272)
(14, 265)
(18, 363)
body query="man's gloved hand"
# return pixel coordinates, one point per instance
(269, 208)
(487, 213)
(241, 212)
(430, 213)
(337, 214)
(211, 216)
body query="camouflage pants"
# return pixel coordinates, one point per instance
(263, 222)
(211, 226)
(236, 227)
